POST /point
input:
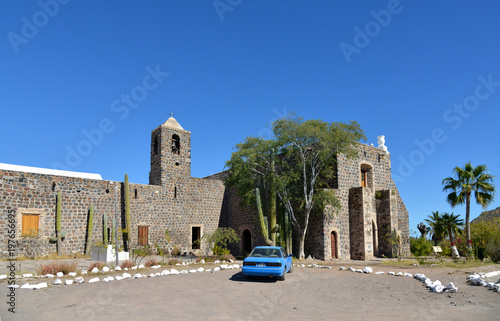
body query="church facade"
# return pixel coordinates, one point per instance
(188, 207)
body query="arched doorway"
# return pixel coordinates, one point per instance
(246, 241)
(334, 254)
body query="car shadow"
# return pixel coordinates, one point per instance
(239, 277)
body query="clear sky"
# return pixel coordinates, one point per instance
(85, 82)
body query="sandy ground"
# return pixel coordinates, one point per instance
(307, 294)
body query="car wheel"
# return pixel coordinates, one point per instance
(282, 278)
(291, 269)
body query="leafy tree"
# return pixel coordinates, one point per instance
(420, 246)
(467, 180)
(484, 234)
(436, 225)
(296, 164)
(220, 239)
(310, 148)
(451, 224)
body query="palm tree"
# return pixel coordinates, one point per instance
(436, 225)
(467, 180)
(451, 225)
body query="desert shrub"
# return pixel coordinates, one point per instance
(151, 262)
(54, 267)
(220, 251)
(98, 265)
(176, 251)
(227, 257)
(420, 246)
(127, 264)
(173, 261)
(143, 251)
(220, 239)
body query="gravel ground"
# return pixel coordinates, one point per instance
(307, 294)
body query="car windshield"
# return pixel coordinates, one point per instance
(263, 252)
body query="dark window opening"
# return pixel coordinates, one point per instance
(155, 145)
(107, 190)
(176, 144)
(175, 191)
(196, 237)
(135, 193)
(177, 163)
(143, 235)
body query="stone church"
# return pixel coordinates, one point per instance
(189, 207)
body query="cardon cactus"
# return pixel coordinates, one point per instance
(127, 210)
(90, 228)
(262, 220)
(105, 228)
(59, 234)
(113, 231)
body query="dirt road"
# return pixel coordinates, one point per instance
(307, 294)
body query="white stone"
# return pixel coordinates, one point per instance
(165, 272)
(156, 266)
(118, 268)
(368, 270)
(178, 264)
(134, 267)
(302, 265)
(141, 266)
(352, 269)
(69, 282)
(126, 275)
(438, 288)
(119, 278)
(105, 269)
(105, 280)
(3, 277)
(184, 272)
(391, 273)
(13, 286)
(84, 272)
(126, 269)
(95, 270)
(47, 276)
(399, 274)
(72, 274)
(183, 263)
(236, 266)
(223, 266)
(40, 286)
(94, 280)
(152, 275)
(217, 269)
(202, 261)
(408, 275)
(216, 262)
(79, 280)
(192, 271)
(231, 261)
(157, 274)
(380, 272)
(58, 281)
(59, 274)
(200, 269)
(342, 268)
(27, 275)
(358, 270)
(111, 278)
(491, 274)
(208, 270)
(26, 286)
(137, 276)
(450, 288)
(174, 271)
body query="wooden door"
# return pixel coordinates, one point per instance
(143, 235)
(334, 245)
(30, 225)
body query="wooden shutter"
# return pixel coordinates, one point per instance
(30, 224)
(143, 235)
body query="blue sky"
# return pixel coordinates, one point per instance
(426, 75)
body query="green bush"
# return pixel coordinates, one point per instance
(420, 246)
(493, 249)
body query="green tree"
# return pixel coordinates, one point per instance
(451, 225)
(437, 229)
(310, 148)
(423, 229)
(467, 180)
(220, 239)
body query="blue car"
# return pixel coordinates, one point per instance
(268, 261)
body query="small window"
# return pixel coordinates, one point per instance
(196, 237)
(143, 235)
(30, 225)
(364, 178)
(175, 191)
(155, 145)
(135, 193)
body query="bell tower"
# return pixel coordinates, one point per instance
(170, 153)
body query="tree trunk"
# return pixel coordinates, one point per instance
(302, 238)
(272, 205)
(467, 220)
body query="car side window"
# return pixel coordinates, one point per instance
(283, 252)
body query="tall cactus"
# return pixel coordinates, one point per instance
(105, 228)
(260, 215)
(113, 231)
(287, 230)
(59, 234)
(127, 210)
(90, 228)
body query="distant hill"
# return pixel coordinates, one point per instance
(488, 215)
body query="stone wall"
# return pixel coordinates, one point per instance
(197, 203)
